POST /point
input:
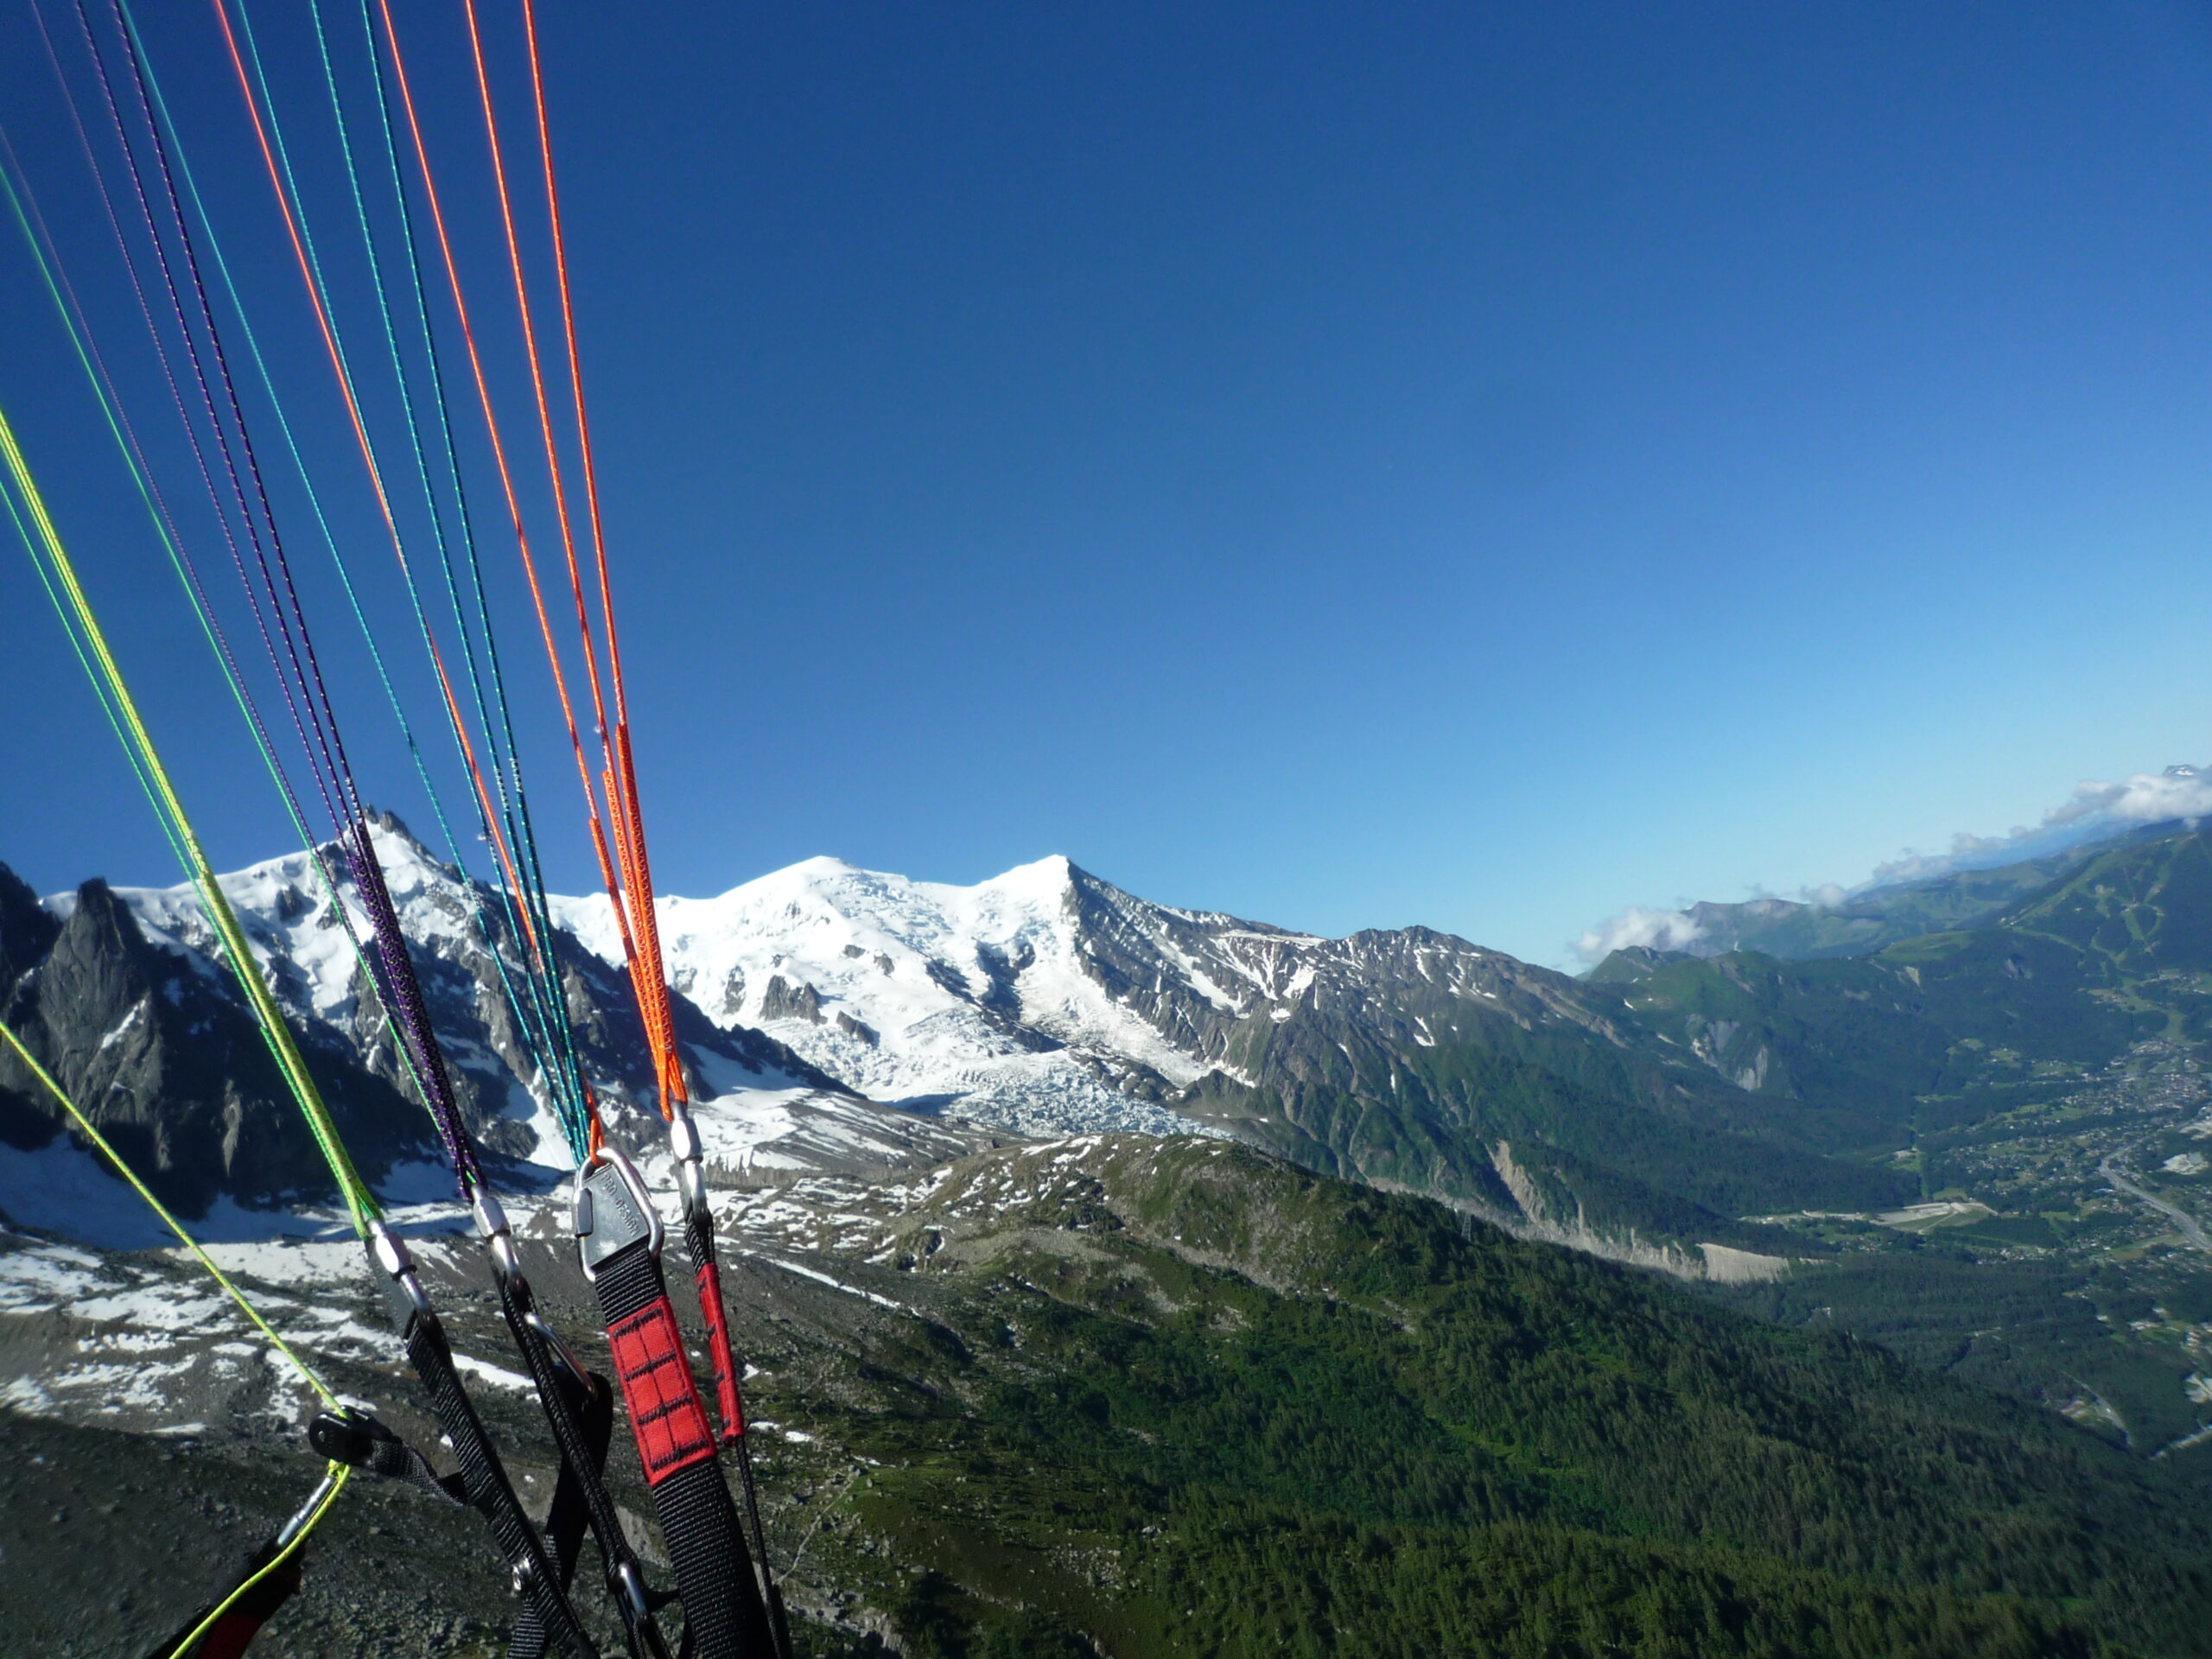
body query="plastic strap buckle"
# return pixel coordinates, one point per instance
(614, 1211)
(344, 1436)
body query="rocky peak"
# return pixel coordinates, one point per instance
(27, 930)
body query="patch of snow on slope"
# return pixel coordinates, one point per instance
(61, 1188)
(142, 1342)
(285, 911)
(66, 1189)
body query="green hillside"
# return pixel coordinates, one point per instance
(2081, 964)
(1555, 1105)
(2046, 1073)
(1680, 1094)
(2133, 910)
(1178, 1398)
(2107, 955)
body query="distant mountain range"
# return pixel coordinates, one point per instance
(1994, 978)
(844, 1016)
(1114, 1392)
(1045, 1001)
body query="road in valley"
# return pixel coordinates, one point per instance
(2187, 1223)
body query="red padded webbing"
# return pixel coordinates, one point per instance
(665, 1416)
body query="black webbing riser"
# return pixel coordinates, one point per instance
(722, 1353)
(722, 1615)
(582, 1425)
(489, 1491)
(571, 1514)
(779, 1626)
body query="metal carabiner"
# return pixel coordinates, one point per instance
(613, 1214)
(690, 1164)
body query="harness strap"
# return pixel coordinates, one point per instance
(590, 1405)
(483, 1478)
(223, 1627)
(722, 1353)
(355, 1439)
(619, 1239)
(580, 1409)
(254, 1602)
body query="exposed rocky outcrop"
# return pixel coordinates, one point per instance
(159, 1051)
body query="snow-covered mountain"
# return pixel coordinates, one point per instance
(1048, 1000)
(1045, 999)
(835, 1018)
(984, 1000)
(120, 993)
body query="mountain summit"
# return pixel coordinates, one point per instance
(925, 994)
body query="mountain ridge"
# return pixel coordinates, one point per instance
(1643, 1110)
(1863, 921)
(1391, 1055)
(902, 1016)
(1111, 1392)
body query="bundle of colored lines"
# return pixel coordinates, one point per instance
(308, 268)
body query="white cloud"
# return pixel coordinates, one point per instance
(2094, 808)
(2183, 792)
(1662, 930)
(2147, 797)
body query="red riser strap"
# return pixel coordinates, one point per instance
(709, 1279)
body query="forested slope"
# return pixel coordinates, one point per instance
(1178, 1398)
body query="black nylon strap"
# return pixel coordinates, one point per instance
(489, 1491)
(581, 1412)
(571, 1517)
(699, 1242)
(722, 1615)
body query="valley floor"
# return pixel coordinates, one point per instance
(2062, 1254)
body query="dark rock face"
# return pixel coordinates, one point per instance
(27, 932)
(163, 1058)
(784, 1000)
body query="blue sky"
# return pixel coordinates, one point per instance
(1350, 465)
